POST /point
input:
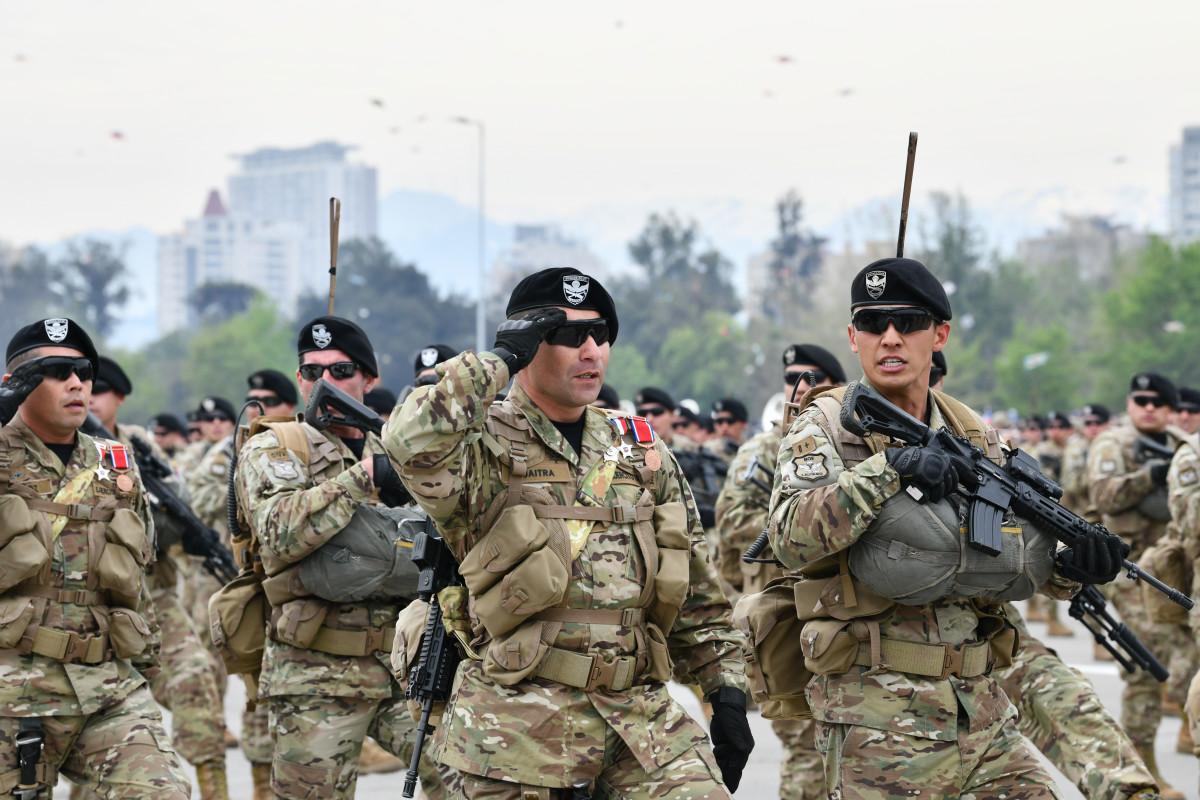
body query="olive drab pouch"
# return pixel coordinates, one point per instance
(660, 655)
(297, 623)
(284, 586)
(128, 633)
(237, 615)
(774, 660)
(516, 533)
(22, 553)
(829, 646)
(539, 582)
(1167, 559)
(15, 518)
(120, 567)
(674, 553)
(1003, 638)
(511, 658)
(16, 613)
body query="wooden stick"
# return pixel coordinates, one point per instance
(335, 219)
(908, 171)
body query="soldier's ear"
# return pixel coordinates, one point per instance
(853, 340)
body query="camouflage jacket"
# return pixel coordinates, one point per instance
(539, 731)
(293, 511)
(38, 685)
(1074, 478)
(820, 506)
(1050, 459)
(1119, 481)
(723, 447)
(742, 514)
(189, 456)
(209, 487)
(167, 531)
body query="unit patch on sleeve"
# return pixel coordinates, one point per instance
(811, 467)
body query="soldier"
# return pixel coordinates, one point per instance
(656, 407)
(170, 434)
(1187, 416)
(741, 516)
(687, 423)
(326, 677)
(1128, 487)
(187, 683)
(1049, 453)
(197, 445)
(424, 370)
(729, 418)
(911, 685)
(569, 686)
(79, 639)
(1183, 486)
(271, 390)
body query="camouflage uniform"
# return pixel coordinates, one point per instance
(534, 731)
(741, 517)
(885, 733)
(1050, 459)
(323, 705)
(723, 447)
(92, 704)
(208, 485)
(189, 456)
(1074, 478)
(1118, 483)
(1183, 489)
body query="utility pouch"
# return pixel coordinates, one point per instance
(128, 633)
(512, 658)
(23, 557)
(516, 533)
(15, 615)
(284, 587)
(674, 552)
(660, 657)
(538, 582)
(237, 615)
(828, 646)
(1167, 559)
(126, 529)
(15, 518)
(297, 623)
(774, 660)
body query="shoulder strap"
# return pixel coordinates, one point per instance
(290, 433)
(966, 423)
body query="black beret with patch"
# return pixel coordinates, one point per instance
(431, 356)
(731, 406)
(53, 332)
(817, 356)
(1157, 383)
(338, 333)
(272, 380)
(652, 395)
(211, 406)
(1189, 399)
(169, 423)
(899, 282)
(380, 400)
(563, 288)
(111, 378)
(1098, 411)
(609, 395)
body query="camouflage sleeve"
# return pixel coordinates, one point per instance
(1074, 474)
(818, 507)
(1114, 487)
(209, 486)
(742, 508)
(705, 646)
(147, 662)
(1183, 494)
(291, 516)
(436, 440)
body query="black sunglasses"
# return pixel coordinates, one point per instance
(724, 420)
(1093, 422)
(576, 332)
(340, 371)
(1144, 400)
(651, 411)
(906, 320)
(61, 367)
(678, 426)
(817, 375)
(268, 401)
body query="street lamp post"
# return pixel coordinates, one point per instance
(481, 343)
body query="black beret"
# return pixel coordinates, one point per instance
(686, 413)
(53, 332)
(1189, 399)
(1059, 417)
(732, 406)
(274, 381)
(609, 395)
(193, 416)
(563, 288)
(380, 400)
(337, 333)
(653, 395)
(817, 356)
(111, 377)
(216, 405)
(1097, 410)
(1154, 382)
(899, 282)
(1035, 421)
(169, 421)
(431, 356)
(939, 363)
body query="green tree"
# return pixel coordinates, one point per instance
(1035, 372)
(707, 362)
(30, 289)
(216, 302)
(795, 263)
(94, 276)
(220, 357)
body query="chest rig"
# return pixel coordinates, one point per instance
(518, 572)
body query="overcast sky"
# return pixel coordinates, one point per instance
(593, 104)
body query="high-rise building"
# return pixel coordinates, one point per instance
(221, 247)
(1185, 186)
(1094, 244)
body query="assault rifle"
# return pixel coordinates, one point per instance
(198, 539)
(432, 678)
(1148, 449)
(1090, 602)
(989, 488)
(328, 405)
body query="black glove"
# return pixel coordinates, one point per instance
(1158, 471)
(517, 340)
(1095, 557)
(391, 491)
(928, 470)
(730, 732)
(20, 384)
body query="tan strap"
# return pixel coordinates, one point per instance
(288, 432)
(625, 617)
(925, 658)
(588, 672)
(616, 514)
(516, 472)
(70, 510)
(79, 597)
(70, 648)
(354, 643)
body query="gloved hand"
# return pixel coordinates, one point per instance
(1158, 471)
(730, 732)
(928, 470)
(19, 385)
(1095, 557)
(517, 340)
(391, 491)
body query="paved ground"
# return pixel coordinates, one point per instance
(761, 779)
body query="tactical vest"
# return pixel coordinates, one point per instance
(1143, 523)
(35, 592)
(519, 570)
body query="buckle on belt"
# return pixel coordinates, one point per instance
(623, 514)
(615, 675)
(952, 660)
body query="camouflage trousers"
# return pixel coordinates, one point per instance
(870, 764)
(120, 753)
(801, 774)
(1062, 715)
(318, 740)
(691, 776)
(256, 734)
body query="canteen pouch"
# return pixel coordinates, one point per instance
(297, 623)
(516, 533)
(512, 658)
(1167, 560)
(16, 613)
(22, 558)
(774, 660)
(237, 615)
(828, 647)
(538, 582)
(128, 633)
(1155, 506)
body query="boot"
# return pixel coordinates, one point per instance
(1165, 790)
(1184, 743)
(210, 778)
(1035, 610)
(1056, 628)
(1169, 707)
(375, 759)
(260, 774)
